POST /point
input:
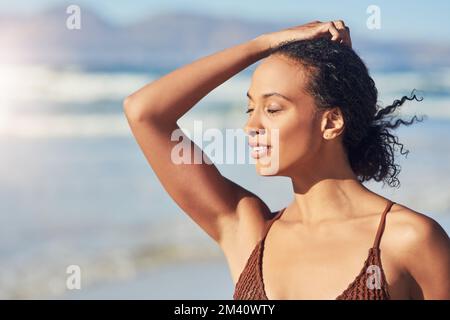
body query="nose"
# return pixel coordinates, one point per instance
(254, 126)
(254, 131)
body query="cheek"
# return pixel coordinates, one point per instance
(298, 142)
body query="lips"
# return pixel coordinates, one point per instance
(259, 150)
(256, 144)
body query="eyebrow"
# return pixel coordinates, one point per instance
(266, 95)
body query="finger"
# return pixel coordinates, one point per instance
(349, 37)
(334, 31)
(346, 36)
(343, 31)
(340, 26)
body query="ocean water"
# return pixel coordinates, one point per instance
(76, 190)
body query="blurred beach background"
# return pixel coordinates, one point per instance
(75, 188)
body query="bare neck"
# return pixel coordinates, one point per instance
(327, 199)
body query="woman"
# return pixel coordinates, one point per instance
(316, 94)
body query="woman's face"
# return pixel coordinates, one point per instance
(282, 116)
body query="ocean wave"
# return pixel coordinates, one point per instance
(61, 125)
(48, 126)
(40, 84)
(41, 273)
(44, 101)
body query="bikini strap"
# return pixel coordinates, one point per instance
(376, 243)
(277, 216)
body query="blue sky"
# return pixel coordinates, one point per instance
(399, 19)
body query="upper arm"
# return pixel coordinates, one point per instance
(218, 205)
(427, 258)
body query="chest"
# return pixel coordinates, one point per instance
(323, 268)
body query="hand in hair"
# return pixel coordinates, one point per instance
(334, 30)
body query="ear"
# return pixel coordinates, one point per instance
(332, 124)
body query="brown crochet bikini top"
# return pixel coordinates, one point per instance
(369, 284)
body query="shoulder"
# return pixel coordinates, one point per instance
(421, 248)
(413, 229)
(243, 230)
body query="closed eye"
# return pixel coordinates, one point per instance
(269, 110)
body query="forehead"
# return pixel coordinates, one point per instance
(280, 74)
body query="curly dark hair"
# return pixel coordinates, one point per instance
(339, 78)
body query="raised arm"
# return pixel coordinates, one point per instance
(218, 205)
(210, 199)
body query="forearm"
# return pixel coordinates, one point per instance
(172, 95)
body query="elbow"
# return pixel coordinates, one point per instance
(138, 110)
(127, 105)
(131, 109)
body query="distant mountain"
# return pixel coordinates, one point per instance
(169, 40)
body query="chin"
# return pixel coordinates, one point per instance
(268, 169)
